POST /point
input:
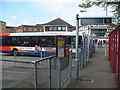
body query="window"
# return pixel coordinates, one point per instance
(55, 28)
(59, 28)
(72, 40)
(22, 41)
(51, 28)
(63, 28)
(29, 29)
(24, 29)
(35, 29)
(46, 28)
(6, 41)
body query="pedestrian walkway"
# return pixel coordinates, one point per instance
(96, 74)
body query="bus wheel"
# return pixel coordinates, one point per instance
(13, 52)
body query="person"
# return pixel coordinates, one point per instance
(98, 44)
(101, 44)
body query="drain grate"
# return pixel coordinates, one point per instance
(85, 79)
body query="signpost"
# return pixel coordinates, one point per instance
(76, 56)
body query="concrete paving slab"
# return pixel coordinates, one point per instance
(97, 73)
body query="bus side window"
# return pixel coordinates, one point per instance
(6, 41)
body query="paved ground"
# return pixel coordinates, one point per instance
(21, 75)
(96, 74)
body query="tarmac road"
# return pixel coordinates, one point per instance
(20, 75)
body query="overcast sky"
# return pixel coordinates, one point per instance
(30, 12)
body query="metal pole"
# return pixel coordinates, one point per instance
(106, 9)
(88, 44)
(106, 43)
(106, 47)
(35, 76)
(41, 52)
(76, 56)
(15, 53)
(50, 74)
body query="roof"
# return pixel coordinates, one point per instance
(94, 17)
(27, 25)
(10, 27)
(99, 27)
(57, 21)
(2, 21)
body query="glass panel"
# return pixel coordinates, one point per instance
(55, 28)
(59, 28)
(72, 40)
(24, 29)
(6, 41)
(35, 29)
(21, 41)
(34, 41)
(51, 28)
(29, 29)
(46, 28)
(63, 28)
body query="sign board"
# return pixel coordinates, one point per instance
(95, 20)
(60, 47)
(62, 52)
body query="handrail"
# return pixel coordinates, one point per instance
(16, 60)
(42, 59)
(26, 61)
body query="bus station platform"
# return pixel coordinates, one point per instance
(97, 73)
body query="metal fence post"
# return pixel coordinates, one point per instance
(35, 76)
(50, 74)
(88, 55)
(15, 54)
(70, 63)
(58, 73)
(41, 53)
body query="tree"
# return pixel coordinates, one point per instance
(114, 4)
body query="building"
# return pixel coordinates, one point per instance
(99, 31)
(54, 25)
(10, 29)
(29, 28)
(2, 27)
(57, 25)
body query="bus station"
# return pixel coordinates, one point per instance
(62, 59)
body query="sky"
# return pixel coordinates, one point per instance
(31, 12)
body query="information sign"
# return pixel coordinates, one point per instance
(60, 49)
(95, 20)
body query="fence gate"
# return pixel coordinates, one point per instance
(60, 71)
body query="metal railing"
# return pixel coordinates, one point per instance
(35, 65)
(56, 77)
(84, 54)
